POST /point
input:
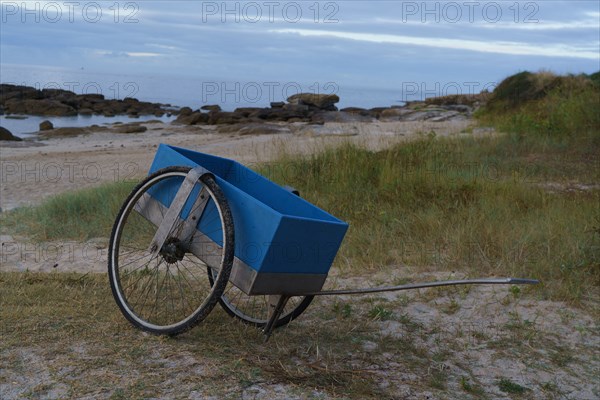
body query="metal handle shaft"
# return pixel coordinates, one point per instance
(493, 281)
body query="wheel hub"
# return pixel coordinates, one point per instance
(172, 251)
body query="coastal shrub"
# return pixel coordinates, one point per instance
(559, 109)
(595, 78)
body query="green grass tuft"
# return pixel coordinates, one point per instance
(76, 215)
(508, 386)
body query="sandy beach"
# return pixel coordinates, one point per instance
(33, 170)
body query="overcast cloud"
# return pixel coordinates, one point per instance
(378, 44)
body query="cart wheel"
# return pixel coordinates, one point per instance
(167, 293)
(254, 310)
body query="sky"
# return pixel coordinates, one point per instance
(464, 46)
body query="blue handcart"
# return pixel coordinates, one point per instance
(201, 230)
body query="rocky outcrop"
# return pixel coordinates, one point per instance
(131, 128)
(319, 101)
(211, 107)
(38, 107)
(46, 125)
(191, 118)
(319, 109)
(57, 102)
(5, 134)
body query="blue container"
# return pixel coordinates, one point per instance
(283, 244)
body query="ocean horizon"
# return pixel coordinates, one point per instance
(194, 92)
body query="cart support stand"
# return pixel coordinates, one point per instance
(276, 306)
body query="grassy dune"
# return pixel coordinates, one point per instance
(522, 203)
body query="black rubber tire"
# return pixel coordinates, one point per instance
(214, 291)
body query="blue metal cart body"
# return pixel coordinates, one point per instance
(283, 243)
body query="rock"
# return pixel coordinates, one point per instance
(246, 111)
(376, 111)
(86, 112)
(267, 114)
(58, 102)
(448, 116)
(192, 119)
(357, 110)
(185, 111)
(290, 111)
(222, 117)
(415, 105)
(8, 92)
(433, 107)
(5, 134)
(39, 107)
(394, 114)
(63, 132)
(320, 101)
(277, 104)
(131, 128)
(420, 116)
(337, 116)
(112, 107)
(211, 107)
(90, 98)
(459, 107)
(46, 125)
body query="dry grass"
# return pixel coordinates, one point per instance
(471, 205)
(63, 337)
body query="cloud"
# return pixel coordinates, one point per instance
(541, 25)
(547, 26)
(498, 47)
(116, 54)
(163, 46)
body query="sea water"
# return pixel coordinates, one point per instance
(177, 91)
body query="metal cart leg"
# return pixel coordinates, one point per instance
(276, 306)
